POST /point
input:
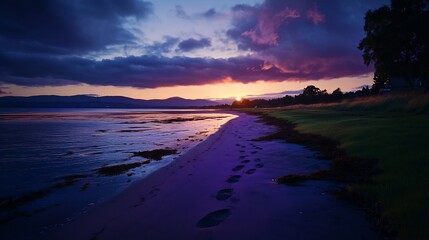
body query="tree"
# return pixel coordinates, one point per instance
(396, 41)
(337, 94)
(311, 90)
(243, 103)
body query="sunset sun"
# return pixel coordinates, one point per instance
(238, 98)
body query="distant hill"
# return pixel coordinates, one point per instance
(85, 101)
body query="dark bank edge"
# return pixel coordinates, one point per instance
(343, 168)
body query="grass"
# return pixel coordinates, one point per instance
(393, 129)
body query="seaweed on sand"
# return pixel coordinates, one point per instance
(120, 168)
(155, 154)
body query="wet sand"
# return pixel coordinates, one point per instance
(223, 189)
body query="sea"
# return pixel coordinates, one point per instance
(50, 159)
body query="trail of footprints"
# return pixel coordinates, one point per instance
(215, 218)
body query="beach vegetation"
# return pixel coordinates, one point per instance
(388, 130)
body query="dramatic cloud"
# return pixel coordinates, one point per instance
(265, 32)
(306, 36)
(141, 71)
(192, 44)
(49, 42)
(67, 27)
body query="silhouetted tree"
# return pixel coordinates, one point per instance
(311, 90)
(243, 103)
(310, 95)
(397, 41)
(337, 94)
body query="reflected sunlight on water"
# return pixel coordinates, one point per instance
(39, 149)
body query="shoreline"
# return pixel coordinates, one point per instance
(206, 195)
(58, 197)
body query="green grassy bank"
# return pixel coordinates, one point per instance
(393, 129)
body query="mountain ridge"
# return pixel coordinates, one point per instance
(86, 101)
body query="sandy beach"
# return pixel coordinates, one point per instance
(223, 189)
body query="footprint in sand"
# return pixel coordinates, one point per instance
(259, 165)
(142, 200)
(254, 152)
(251, 171)
(257, 160)
(242, 151)
(154, 191)
(224, 194)
(241, 157)
(245, 161)
(233, 179)
(214, 218)
(237, 168)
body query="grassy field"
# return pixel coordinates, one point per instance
(393, 129)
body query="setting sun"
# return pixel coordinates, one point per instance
(238, 98)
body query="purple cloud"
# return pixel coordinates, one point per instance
(308, 37)
(146, 71)
(288, 40)
(315, 16)
(192, 44)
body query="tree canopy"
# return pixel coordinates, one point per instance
(397, 41)
(311, 90)
(310, 95)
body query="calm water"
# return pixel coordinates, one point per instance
(39, 149)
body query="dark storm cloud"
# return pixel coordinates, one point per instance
(192, 44)
(304, 36)
(44, 44)
(140, 71)
(67, 27)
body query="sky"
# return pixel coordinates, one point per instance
(191, 49)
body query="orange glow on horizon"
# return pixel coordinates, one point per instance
(224, 90)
